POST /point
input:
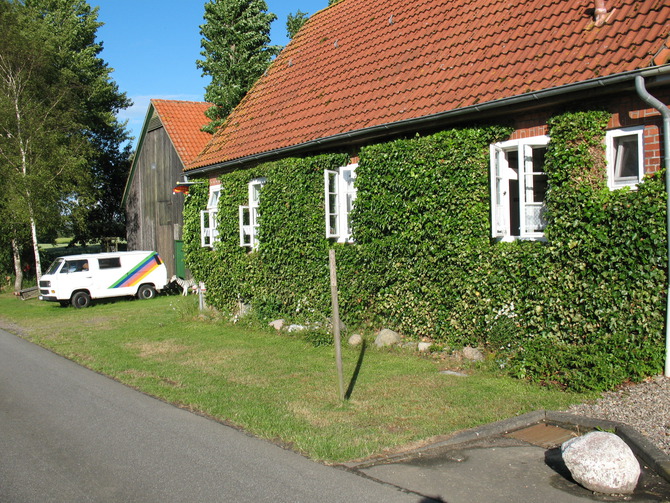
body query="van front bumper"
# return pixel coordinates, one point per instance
(48, 298)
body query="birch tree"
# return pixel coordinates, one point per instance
(42, 148)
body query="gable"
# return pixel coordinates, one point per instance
(182, 121)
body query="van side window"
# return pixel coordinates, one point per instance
(109, 263)
(75, 266)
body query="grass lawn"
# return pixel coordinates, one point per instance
(275, 386)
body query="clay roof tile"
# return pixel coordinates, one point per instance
(364, 63)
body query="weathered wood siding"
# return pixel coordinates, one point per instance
(153, 212)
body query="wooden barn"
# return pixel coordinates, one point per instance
(170, 139)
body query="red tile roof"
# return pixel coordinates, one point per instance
(365, 63)
(182, 121)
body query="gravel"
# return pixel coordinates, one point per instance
(644, 406)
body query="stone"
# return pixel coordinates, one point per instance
(296, 328)
(472, 354)
(277, 324)
(387, 337)
(355, 340)
(453, 373)
(602, 462)
(343, 327)
(423, 347)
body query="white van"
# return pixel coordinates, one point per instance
(76, 279)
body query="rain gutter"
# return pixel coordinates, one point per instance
(434, 120)
(665, 113)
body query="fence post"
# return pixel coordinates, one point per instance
(336, 320)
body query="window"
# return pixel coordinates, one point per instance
(109, 263)
(518, 188)
(208, 231)
(249, 215)
(625, 159)
(340, 193)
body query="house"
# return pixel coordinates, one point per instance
(350, 79)
(425, 135)
(170, 139)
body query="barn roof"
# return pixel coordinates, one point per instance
(182, 121)
(362, 64)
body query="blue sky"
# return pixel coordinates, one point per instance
(152, 45)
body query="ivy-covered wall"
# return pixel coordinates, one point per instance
(585, 309)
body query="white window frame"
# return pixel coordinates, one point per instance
(340, 194)
(501, 174)
(209, 234)
(614, 157)
(248, 215)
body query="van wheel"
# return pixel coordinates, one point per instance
(81, 299)
(64, 303)
(146, 292)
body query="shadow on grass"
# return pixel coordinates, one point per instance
(357, 370)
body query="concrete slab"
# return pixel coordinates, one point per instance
(510, 461)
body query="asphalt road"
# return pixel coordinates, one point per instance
(70, 435)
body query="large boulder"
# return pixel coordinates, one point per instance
(387, 337)
(602, 462)
(472, 354)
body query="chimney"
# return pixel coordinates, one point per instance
(601, 13)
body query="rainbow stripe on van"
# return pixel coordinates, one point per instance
(139, 272)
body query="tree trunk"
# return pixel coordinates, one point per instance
(18, 271)
(36, 251)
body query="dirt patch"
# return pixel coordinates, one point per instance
(158, 349)
(12, 328)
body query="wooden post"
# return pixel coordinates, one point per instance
(336, 320)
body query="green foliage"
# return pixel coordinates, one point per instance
(235, 43)
(69, 29)
(60, 154)
(583, 310)
(294, 22)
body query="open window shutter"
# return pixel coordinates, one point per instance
(498, 192)
(214, 231)
(204, 228)
(245, 226)
(349, 177)
(331, 196)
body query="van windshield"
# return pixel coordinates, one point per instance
(54, 267)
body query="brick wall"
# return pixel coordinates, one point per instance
(626, 111)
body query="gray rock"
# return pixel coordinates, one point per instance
(277, 324)
(453, 373)
(423, 347)
(355, 340)
(472, 354)
(343, 327)
(387, 338)
(602, 462)
(296, 328)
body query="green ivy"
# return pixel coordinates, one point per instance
(585, 309)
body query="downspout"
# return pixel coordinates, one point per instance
(665, 113)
